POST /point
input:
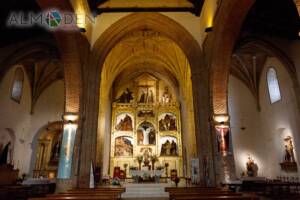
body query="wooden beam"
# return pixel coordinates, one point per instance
(142, 9)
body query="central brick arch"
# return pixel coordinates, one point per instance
(105, 43)
(220, 44)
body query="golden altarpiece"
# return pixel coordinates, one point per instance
(146, 123)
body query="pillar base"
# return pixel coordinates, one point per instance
(226, 168)
(62, 185)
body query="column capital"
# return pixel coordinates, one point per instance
(221, 119)
(70, 117)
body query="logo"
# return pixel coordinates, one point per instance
(53, 19)
(50, 20)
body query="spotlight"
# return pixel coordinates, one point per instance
(208, 29)
(82, 30)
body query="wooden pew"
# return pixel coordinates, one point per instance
(86, 193)
(76, 198)
(204, 193)
(218, 197)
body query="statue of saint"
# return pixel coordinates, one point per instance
(125, 97)
(143, 97)
(150, 97)
(166, 97)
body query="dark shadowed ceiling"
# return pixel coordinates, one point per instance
(277, 18)
(11, 35)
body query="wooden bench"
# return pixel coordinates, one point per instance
(204, 193)
(86, 193)
(218, 197)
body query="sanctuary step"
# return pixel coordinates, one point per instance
(145, 190)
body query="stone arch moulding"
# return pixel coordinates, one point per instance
(220, 45)
(168, 28)
(141, 21)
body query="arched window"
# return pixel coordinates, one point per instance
(17, 85)
(273, 85)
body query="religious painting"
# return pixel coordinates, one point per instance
(146, 94)
(125, 97)
(146, 134)
(123, 146)
(167, 122)
(168, 146)
(145, 113)
(223, 139)
(124, 122)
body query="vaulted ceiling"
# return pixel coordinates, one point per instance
(146, 51)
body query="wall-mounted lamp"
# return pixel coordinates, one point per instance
(208, 29)
(221, 119)
(70, 117)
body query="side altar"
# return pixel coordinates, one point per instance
(146, 128)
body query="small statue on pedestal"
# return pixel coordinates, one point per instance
(289, 164)
(289, 150)
(251, 167)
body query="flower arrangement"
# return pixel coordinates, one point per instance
(125, 165)
(132, 168)
(139, 158)
(154, 158)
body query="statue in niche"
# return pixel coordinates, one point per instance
(168, 123)
(147, 152)
(146, 96)
(289, 150)
(146, 134)
(125, 97)
(125, 124)
(143, 97)
(55, 150)
(167, 96)
(169, 148)
(150, 97)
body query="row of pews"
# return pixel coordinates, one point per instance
(86, 193)
(175, 193)
(191, 193)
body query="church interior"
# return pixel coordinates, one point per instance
(156, 99)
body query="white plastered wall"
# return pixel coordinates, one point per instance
(264, 130)
(17, 117)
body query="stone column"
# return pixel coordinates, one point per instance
(224, 159)
(202, 117)
(64, 179)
